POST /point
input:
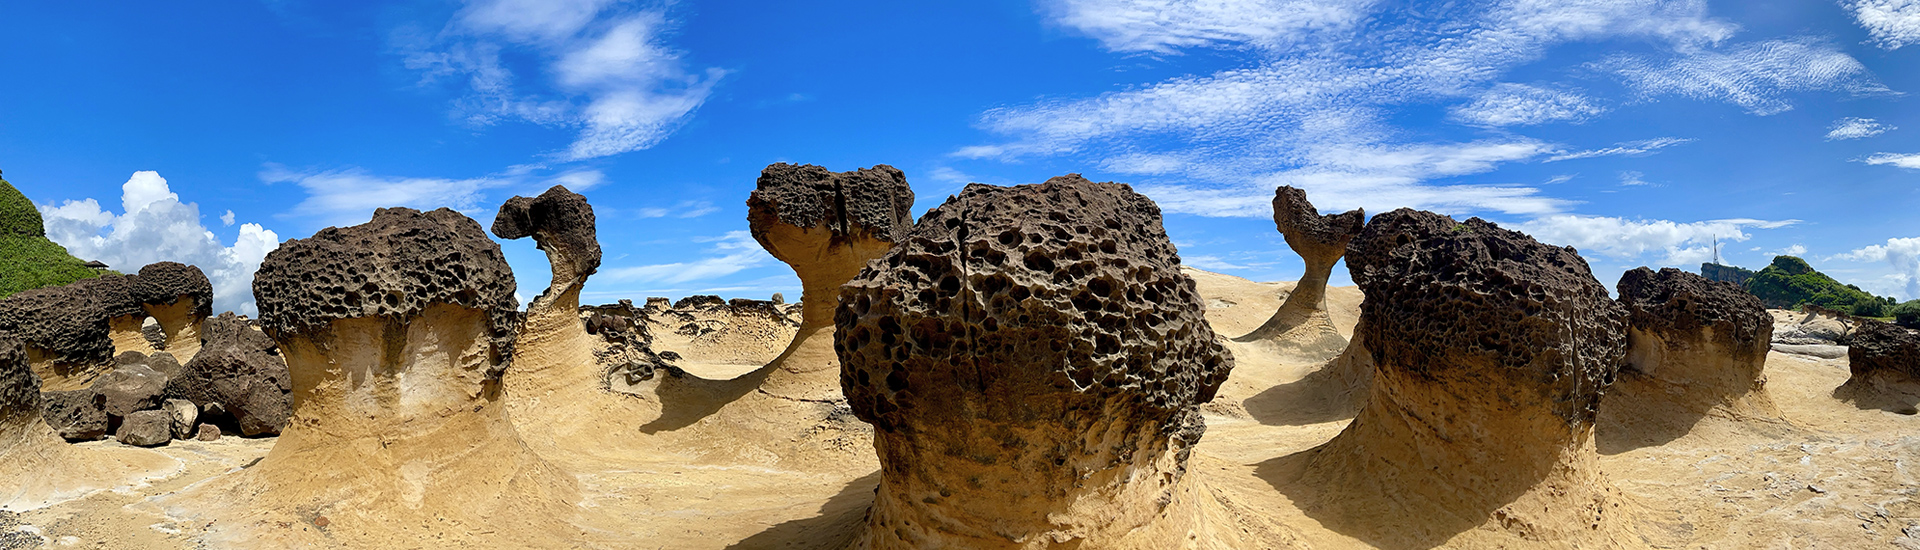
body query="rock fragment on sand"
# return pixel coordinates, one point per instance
(131, 388)
(77, 415)
(146, 429)
(186, 417)
(207, 432)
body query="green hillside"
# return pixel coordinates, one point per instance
(27, 259)
(1790, 282)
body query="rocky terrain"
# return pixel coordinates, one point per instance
(1023, 367)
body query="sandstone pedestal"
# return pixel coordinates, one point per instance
(1301, 326)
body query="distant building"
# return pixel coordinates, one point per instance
(1732, 274)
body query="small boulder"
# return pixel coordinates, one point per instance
(146, 429)
(78, 415)
(131, 389)
(207, 432)
(239, 371)
(186, 416)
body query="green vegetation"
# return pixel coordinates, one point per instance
(1906, 314)
(1790, 282)
(27, 259)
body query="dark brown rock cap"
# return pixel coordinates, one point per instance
(1303, 225)
(65, 321)
(558, 217)
(1067, 290)
(115, 294)
(1459, 301)
(394, 266)
(1879, 346)
(163, 283)
(1672, 301)
(870, 202)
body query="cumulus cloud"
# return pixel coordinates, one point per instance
(227, 218)
(613, 76)
(732, 253)
(1891, 23)
(1630, 149)
(1165, 26)
(1681, 243)
(1894, 159)
(1754, 76)
(1856, 128)
(1903, 254)
(154, 226)
(1521, 105)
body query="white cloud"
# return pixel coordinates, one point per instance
(1754, 76)
(1521, 105)
(685, 209)
(729, 254)
(1631, 149)
(1891, 23)
(1211, 263)
(1683, 243)
(944, 174)
(1145, 163)
(578, 180)
(349, 196)
(1904, 161)
(1163, 26)
(156, 227)
(613, 75)
(1901, 253)
(1632, 177)
(1795, 250)
(1856, 128)
(227, 218)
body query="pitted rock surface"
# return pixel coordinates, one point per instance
(1309, 233)
(115, 293)
(165, 282)
(870, 202)
(65, 321)
(19, 387)
(1880, 346)
(78, 415)
(240, 372)
(131, 388)
(1448, 295)
(1682, 304)
(393, 266)
(557, 218)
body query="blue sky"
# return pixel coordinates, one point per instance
(1637, 130)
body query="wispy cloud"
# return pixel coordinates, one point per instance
(1754, 76)
(732, 253)
(1894, 159)
(611, 73)
(1633, 178)
(1508, 104)
(1891, 23)
(1631, 149)
(350, 195)
(1681, 243)
(1163, 27)
(1856, 128)
(683, 210)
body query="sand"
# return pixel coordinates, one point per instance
(1830, 476)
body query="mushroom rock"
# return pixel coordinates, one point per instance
(1884, 359)
(1032, 360)
(1698, 343)
(179, 297)
(1491, 352)
(396, 334)
(1301, 325)
(37, 467)
(239, 369)
(65, 334)
(826, 226)
(124, 314)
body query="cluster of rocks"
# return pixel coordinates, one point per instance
(139, 357)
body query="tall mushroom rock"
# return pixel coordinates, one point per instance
(826, 226)
(1884, 359)
(179, 297)
(1491, 352)
(125, 316)
(65, 333)
(396, 334)
(554, 350)
(1032, 361)
(1704, 342)
(1320, 241)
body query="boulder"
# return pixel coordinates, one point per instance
(826, 226)
(186, 417)
(1006, 327)
(146, 429)
(207, 432)
(1301, 325)
(179, 297)
(65, 334)
(130, 389)
(1490, 354)
(1884, 361)
(77, 415)
(1700, 343)
(240, 374)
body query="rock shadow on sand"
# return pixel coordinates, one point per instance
(839, 523)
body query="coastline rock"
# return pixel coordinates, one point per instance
(1011, 323)
(1699, 342)
(1301, 325)
(185, 416)
(1884, 362)
(239, 371)
(146, 429)
(77, 415)
(65, 334)
(125, 317)
(207, 432)
(179, 297)
(130, 389)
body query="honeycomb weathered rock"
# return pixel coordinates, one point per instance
(19, 387)
(65, 332)
(1884, 360)
(1694, 343)
(239, 369)
(1009, 325)
(394, 266)
(1320, 241)
(873, 201)
(562, 224)
(164, 283)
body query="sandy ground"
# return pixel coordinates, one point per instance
(1829, 476)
